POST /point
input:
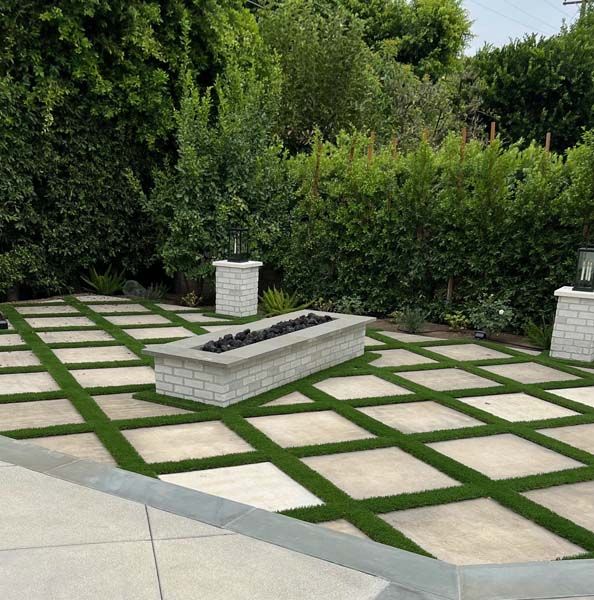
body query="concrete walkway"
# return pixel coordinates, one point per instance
(76, 530)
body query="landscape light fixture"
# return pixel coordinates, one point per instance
(584, 279)
(239, 244)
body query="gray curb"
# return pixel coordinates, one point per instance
(411, 576)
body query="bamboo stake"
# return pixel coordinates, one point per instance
(493, 134)
(548, 141)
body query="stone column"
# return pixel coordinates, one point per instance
(573, 333)
(237, 287)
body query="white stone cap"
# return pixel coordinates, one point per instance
(568, 292)
(248, 264)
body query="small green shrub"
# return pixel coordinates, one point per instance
(276, 302)
(457, 320)
(491, 314)
(155, 291)
(410, 320)
(108, 283)
(190, 299)
(324, 305)
(351, 305)
(540, 335)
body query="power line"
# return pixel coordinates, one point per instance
(556, 8)
(530, 15)
(528, 27)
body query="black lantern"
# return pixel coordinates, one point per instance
(239, 244)
(584, 279)
(3, 322)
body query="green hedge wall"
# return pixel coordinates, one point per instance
(392, 229)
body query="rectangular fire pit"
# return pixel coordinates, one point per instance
(183, 370)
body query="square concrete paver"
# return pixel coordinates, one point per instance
(11, 339)
(69, 337)
(578, 436)
(199, 318)
(150, 319)
(479, 531)
(127, 307)
(399, 358)
(447, 379)
(343, 526)
(46, 310)
(125, 406)
(468, 352)
(262, 485)
(583, 395)
(47, 322)
(304, 429)
(289, 399)
(189, 440)
(518, 407)
(157, 333)
(530, 372)
(18, 358)
(177, 308)
(409, 337)
(380, 472)
(91, 378)
(504, 456)
(90, 298)
(418, 417)
(360, 386)
(23, 415)
(369, 341)
(574, 501)
(525, 350)
(24, 383)
(82, 445)
(92, 354)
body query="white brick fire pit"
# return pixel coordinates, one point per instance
(183, 370)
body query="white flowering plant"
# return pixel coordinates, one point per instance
(491, 314)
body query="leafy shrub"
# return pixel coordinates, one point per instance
(351, 305)
(490, 314)
(190, 299)
(457, 320)
(540, 335)
(277, 302)
(155, 291)
(108, 283)
(410, 320)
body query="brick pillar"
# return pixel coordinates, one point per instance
(237, 287)
(573, 333)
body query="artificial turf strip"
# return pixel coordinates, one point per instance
(362, 513)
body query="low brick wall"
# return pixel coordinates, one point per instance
(184, 371)
(573, 333)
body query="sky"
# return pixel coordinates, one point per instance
(496, 21)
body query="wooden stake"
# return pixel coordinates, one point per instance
(548, 141)
(370, 147)
(425, 136)
(463, 143)
(493, 134)
(450, 293)
(394, 146)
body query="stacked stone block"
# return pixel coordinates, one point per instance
(237, 288)
(573, 332)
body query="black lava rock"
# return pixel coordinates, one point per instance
(247, 336)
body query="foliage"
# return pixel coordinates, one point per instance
(394, 228)
(107, 283)
(410, 320)
(350, 305)
(430, 35)
(87, 92)
(155, 291)
(190, 299)
(457, 320)
(491, 314)
(535, 85)
(328, 80)
(228, 168)
(540, 335)
(277, 302)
